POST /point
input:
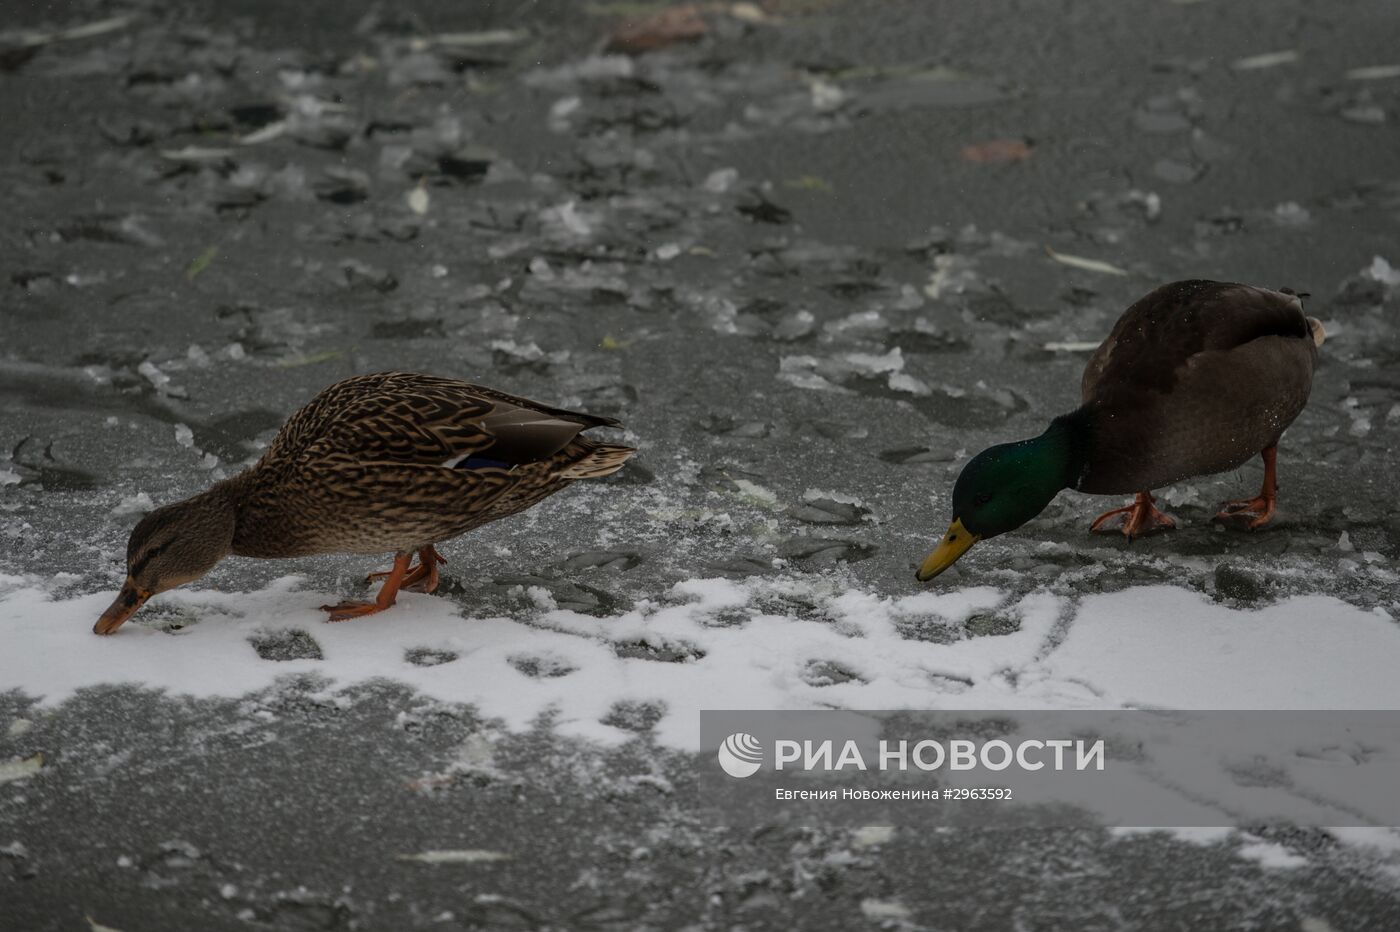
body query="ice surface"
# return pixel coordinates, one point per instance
(884, 910)
(1272, 855)
(1196, 835)
(721, 180)
(138, 504)
(710, 355)
(773, 642)
(1149, 646)
(1382, 271)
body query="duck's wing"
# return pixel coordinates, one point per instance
(1195, 379)
(406, 418)
(1160, 334)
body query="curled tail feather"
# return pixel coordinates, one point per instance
(596, 460)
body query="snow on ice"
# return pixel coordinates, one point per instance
(1150, 646)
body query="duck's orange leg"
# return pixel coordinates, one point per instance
(387, 593)
(1139, 518)
(426, 575)
(423, 577)
(1260, 509)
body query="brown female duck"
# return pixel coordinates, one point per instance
(1196, 378)
(393, 461)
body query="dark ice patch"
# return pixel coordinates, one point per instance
(291, 644)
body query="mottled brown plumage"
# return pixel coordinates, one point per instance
(393, 461)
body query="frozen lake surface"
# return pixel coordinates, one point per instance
(814, 255)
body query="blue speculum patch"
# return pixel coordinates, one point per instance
(482, 462)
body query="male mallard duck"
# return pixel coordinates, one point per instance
(1196, 378)
(391, 461)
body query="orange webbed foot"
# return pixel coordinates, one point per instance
(1139, 518)
(393, 581)
(423, 577)
(1259, 510)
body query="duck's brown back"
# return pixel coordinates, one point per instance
(396, 461)
(1196, 378)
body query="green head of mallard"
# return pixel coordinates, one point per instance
(169, 547)
(1005, 486)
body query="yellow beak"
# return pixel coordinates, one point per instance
(127, 602)
(954, 544)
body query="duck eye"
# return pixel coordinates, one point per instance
(134, 567)
(982, 498)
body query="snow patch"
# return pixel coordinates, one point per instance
(1382, 271)
(1168, 647)
(1150, 646)
(138, 504)
(1271, 855)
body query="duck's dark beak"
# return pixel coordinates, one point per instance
(953, 545)
(128, 601)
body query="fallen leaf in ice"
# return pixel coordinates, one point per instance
(1266, 60)
(418, 200)
(808, 183)
(996, 151)
(95, 926)
(98, 28)
(21, 769)
(1079, 262)
(86, 31)
(201, 262)
(669, 27)
(265, 134)
(461, 856)
(1071, 347)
